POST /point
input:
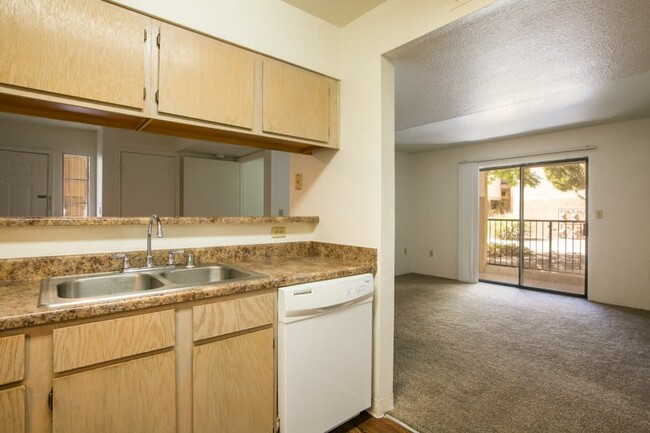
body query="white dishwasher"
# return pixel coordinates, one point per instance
(324, 353)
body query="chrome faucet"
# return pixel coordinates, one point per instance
(159, 234)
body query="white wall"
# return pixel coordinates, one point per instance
(251, 181)
(404, 200)
(619, 185)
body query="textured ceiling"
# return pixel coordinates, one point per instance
(521, 66)
(337, 12)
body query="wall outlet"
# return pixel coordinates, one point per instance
(430, 253)
(278, 232)
(298, 181)
(599, 214)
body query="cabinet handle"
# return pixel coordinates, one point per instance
(144, 93)
(145, 35)
(158, 40)
(157, 96)
(50, 399)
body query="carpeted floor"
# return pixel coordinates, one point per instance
(488, 358)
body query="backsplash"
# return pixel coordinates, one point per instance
(40, 267)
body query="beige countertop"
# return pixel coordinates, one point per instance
(296, 263)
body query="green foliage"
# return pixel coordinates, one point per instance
(508, 231)
(510, 176)
(567, 177)
(495, 250)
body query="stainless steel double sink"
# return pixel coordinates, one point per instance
(88, 288)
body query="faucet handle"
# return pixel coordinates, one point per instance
(171, 254)
(125, 257)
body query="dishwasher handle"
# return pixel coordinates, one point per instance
(295, 315)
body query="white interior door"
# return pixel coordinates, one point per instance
(23, 183)
(147, 184)
(210, 187)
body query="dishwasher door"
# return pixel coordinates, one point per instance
(324, 353)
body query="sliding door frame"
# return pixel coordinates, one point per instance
(521, 167)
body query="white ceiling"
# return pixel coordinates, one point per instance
(523, 66)
(337, 12)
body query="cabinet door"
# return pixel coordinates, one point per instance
(135, 396)
(202, 78)
(12, 410)
(80, 48)
(295, 102)
(233, 384)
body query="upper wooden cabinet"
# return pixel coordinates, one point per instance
(296, 102)
(95, 62)
(202, 78)
(79, 48)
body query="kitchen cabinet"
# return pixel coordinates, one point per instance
(234, 375)
(12, 410)
(197, 366)
(296, 102)
(87, 50)
(117, 397)
(12, 371)
(95, 62)
(137, 395)
(204, 79)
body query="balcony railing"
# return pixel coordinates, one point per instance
(549, 245)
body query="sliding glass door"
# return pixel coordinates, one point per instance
(533, 226)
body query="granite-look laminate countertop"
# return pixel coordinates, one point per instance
(284, 264)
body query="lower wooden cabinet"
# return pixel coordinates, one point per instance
(134, 396)
(203, 367)
(12, 410)
(233, 384)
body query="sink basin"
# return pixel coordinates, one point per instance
(81, 289)
(107, 285)
(204, 275)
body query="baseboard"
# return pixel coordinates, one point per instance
(380, 406)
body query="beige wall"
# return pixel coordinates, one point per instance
(619, 180)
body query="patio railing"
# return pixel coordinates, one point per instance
(549, 245)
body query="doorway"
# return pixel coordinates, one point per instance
(533, 226)
(24, 188)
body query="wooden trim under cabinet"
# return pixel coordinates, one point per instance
(93, 343)
(226, 317)
(12, 410)
(12, 359)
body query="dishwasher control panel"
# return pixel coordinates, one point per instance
(304, 299)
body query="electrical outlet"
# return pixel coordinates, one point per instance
(599, 214)
(430, 253)
(298, 181)
(278, 232)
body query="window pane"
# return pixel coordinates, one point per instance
(75, 185)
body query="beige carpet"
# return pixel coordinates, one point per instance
(488, 358)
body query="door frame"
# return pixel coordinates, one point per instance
(521, 167)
